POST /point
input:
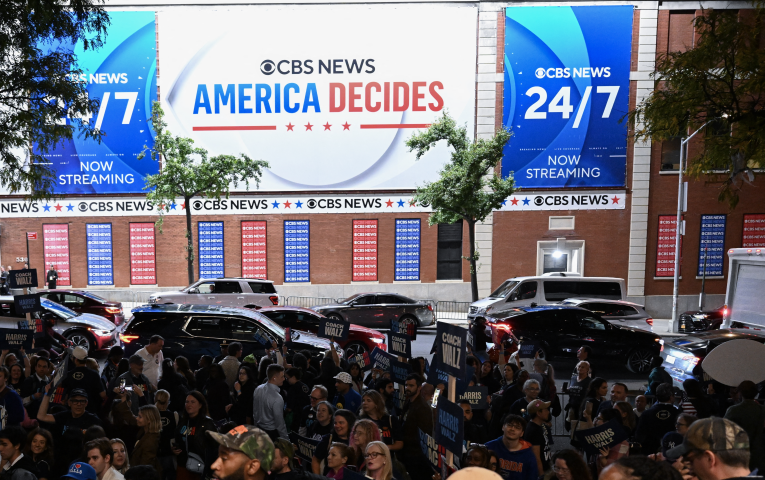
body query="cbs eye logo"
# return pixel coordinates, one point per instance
(267, 67)
(540, 72)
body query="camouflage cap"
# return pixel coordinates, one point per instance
(249, 440)
(715, 434)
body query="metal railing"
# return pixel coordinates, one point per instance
(449, 310)
(305, 302)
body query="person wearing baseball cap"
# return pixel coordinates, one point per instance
(346, 397)
(537, 434)
(81, 377)
(244, 453)
(80, 471)
(714, 449)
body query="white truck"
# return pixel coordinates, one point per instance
(745, 296)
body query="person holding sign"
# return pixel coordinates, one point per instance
(346, 397)
(4, 290)
(11, 405)
(607, 456)
(52, 277)
(516, 458)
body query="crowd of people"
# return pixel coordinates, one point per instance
(236, 418)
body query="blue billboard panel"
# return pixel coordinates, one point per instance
(211, 252)
(712, 244)
(123, 76)
(407, 250)
(566, 89)
(98, 237)
(297, 251)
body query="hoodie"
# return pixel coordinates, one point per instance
(518, 465)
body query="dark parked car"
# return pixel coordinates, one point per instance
(82, 301)
(700, 321)
(196, 330)
(360, 339)
(683, 355)
(376, 310)
(561, 330)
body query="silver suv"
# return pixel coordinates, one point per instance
(229, 292)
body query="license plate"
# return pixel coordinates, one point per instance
(670, 359)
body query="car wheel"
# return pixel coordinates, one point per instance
(407, 320)
(335, 317)
(80, 339)
(639, 361)
(355, 348)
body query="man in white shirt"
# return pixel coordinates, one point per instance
(100, 454)
(231, 363)
(152, 359)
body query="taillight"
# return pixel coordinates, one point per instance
(649, 321)
(502, 326)
(725, 311)
(113, 310)
(128, 338)
(430, 307)
(274, 299)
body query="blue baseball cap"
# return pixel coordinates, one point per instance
(80, 471)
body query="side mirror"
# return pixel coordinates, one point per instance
(194, 290)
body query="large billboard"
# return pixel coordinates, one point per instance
(328, 103)
(566, 89)
(122, 74)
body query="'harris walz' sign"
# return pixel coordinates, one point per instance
(334, 329)
(27, 303)
(451, 343)
(477, 396)
(450, 427)
(22, 278)
(603, 436)
(12, 338)
(382, 360)
(399, 344)
(306, 447)
(399, 371)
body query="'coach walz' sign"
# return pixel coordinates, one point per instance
(450, 427)
(306, 446)
(12, 338)
(452, 345)
(399, 344)
(27, 303)
(22, 278)
(334, 329)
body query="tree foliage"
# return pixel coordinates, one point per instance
(189, 171)
(721, 77)
(468, 189)
(37, 88)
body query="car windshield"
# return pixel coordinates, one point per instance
(504, 289)
(94, 297)
(271, 325)
(59, 310)
(193, 285)
(350, 299)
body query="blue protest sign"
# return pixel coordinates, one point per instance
(399, 344)
(12, 338)
(27, 303)
(528, 349)
(603, 436)
(362, 359)
(439, 376)
(26, 278)
(381, 360)
(306, 447)
(407, 328)
(449, 430)
(477, 396)
(333, 329)
(451, 345)
(432, 450)
(399, 371)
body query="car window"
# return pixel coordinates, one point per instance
(73, 300)
(306, 320)
(591, 323)
(282, 317)
(366, 300)
(206, 287)
(603, 309)
(606, 290)
(148, 325)
(262, 287)
(388, 299)
(628, 310)
(504, 289)
(228, 287)
(402, 299)
(248, 331)
(526, 291)
(215, 327)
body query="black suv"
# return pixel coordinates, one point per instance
(561, 330)
(196, 330)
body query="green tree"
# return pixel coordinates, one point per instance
(188, 172)
(469, 188)
(38, 88)
(720, 78)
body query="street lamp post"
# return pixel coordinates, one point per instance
(675, 325)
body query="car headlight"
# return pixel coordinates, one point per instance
(101, 333)
(378, 340)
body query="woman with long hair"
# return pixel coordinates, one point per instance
(364, 431)
(169, 424)
(339, 456)
(378, 461)
(373, 408)
(191, 436)
(595, 396)
(629, 419)
(325, 411)
(17, 377)
(217, 392)
(357, 377)
(342, 422)
(120, 460)
(240, 411)
(182, 366)
(174, 383)
(486, 377)
(607, 456)
(40, 449)
(568, 465)
(145, 451)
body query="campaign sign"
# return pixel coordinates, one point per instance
(362, 359)
(12, 338)
(432, 450)
(333, 329)
(603, 436)
(122, 74)
(528, 349)
(449, 430)
(407, 328)
(382, 360)
(306, 447)
(439, 376)
(452, 345)
(26, 278)
(399, 371)
(399, 344)
(477, 396)
(27, 303)
(566, 89)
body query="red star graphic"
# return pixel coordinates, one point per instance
(308, 127)
(58, 207)
(514, 201)
(183, 206)
(289, 127)
(287, 204)
(326, 126)
(389, 203)
(346, 126)
(615, 199)
(161, 206)
(412, 203)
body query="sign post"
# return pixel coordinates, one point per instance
(452, 398)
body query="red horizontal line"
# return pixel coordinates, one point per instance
(397, 125)
(246, 127)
